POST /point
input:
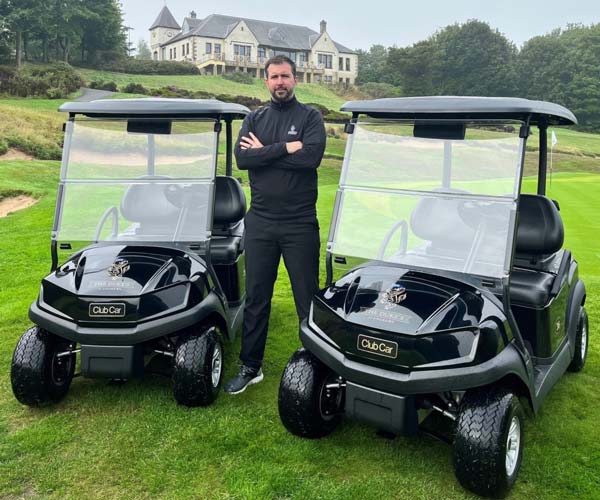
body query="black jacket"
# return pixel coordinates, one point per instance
(283, 186)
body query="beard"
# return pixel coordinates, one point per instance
(282, 94)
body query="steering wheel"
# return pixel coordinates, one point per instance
(386, 240)
(115, 223)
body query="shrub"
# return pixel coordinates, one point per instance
(378, 90)
(102, 85)
(135, 88)
(145, 67)
(3, 146)
(240, 77)
(244, 100)
(319, 107)
(53, 81)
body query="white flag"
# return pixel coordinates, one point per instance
(554, 139)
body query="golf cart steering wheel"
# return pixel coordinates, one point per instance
(115, 223)
(475, 213)
(386, 241)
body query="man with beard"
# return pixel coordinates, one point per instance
(281, 145)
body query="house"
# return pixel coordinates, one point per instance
(221, 44)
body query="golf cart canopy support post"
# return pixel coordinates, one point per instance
(543, 161)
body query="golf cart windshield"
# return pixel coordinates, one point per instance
(136, 180)
(430, 194)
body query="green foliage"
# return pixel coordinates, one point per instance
(144, 67)
(54, 81)
(372, 65)
(3, 146)
(378, 90)
(101, 85)
(143, 51)
(239, 77)
(135, 88)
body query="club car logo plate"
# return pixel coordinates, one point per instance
(377, 346)
(107, 310)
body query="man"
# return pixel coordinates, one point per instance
(281, 145)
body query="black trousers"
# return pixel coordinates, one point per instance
(265, 242)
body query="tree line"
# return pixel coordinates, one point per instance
(474, 59)
(81, 31)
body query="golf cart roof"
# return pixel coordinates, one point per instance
(448, 107)
(154, 107)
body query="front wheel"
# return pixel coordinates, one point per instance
(488, 443)
(198, 368)
(42, 368)
(306, 407)
(581, 342)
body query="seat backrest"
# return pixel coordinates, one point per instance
(540, 231)
(230, 201)
(148, 204)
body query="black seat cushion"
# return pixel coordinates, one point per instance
(540, 231)
(225, 250)
(530, 288)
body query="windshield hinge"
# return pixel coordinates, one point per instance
(524, 132)
(217, 127)
(349, 128)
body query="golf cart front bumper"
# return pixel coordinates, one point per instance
(415, 382)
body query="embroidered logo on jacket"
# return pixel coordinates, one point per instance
(292, 130)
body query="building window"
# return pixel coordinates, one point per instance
(170, 53)
(208, 49)
(217, 49)
(341, 63)
(303, 57)
(187, 49)
(347, 64)
(174, 52)
(328, 79)
(325, 60)
(241, 50)
(262, 53)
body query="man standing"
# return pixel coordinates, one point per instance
(281, 145)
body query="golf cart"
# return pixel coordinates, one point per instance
(155, 240)
(456, 300)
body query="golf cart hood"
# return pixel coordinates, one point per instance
(143, 281)
(421, 318)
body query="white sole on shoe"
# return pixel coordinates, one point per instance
(255, 380)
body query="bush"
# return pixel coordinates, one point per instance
(3, 147)
(239, 77)
(378, 90)
(319, 107)
(53, 81)
(135, 88)
(101, 85)
(145, 67)
(244, 100)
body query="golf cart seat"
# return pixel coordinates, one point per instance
(147, 204)
(540, 236)
(228, 220)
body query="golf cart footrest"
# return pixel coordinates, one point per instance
(112, 361)
(389, 412)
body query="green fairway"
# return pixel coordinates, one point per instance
(133, 441)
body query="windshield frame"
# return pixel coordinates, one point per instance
(345, 187)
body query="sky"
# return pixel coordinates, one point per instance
(359, 25)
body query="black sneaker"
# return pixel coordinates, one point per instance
(246, 376)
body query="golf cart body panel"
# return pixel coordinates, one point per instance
(157, 234)
(457, 279)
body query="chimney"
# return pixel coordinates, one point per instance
(193, 15)
(323, 26)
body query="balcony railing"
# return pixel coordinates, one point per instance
(255, 62)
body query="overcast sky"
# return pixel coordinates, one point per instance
(359, 25)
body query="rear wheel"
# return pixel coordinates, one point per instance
(581, 342)
(307, 407)
(488, 443)
(198, 368)
(42, 369)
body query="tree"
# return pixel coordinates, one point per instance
(143, 51)
(371, 65)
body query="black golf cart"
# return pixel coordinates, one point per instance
(456, 299)
(155, 240)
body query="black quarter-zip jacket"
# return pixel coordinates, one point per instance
(283, 185)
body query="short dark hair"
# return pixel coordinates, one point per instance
(280, 60)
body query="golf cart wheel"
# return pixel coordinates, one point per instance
(306, 408)
(581, 342)
(198, 368)
(39, 374)
(488, 442)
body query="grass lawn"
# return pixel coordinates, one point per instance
(133, 441)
